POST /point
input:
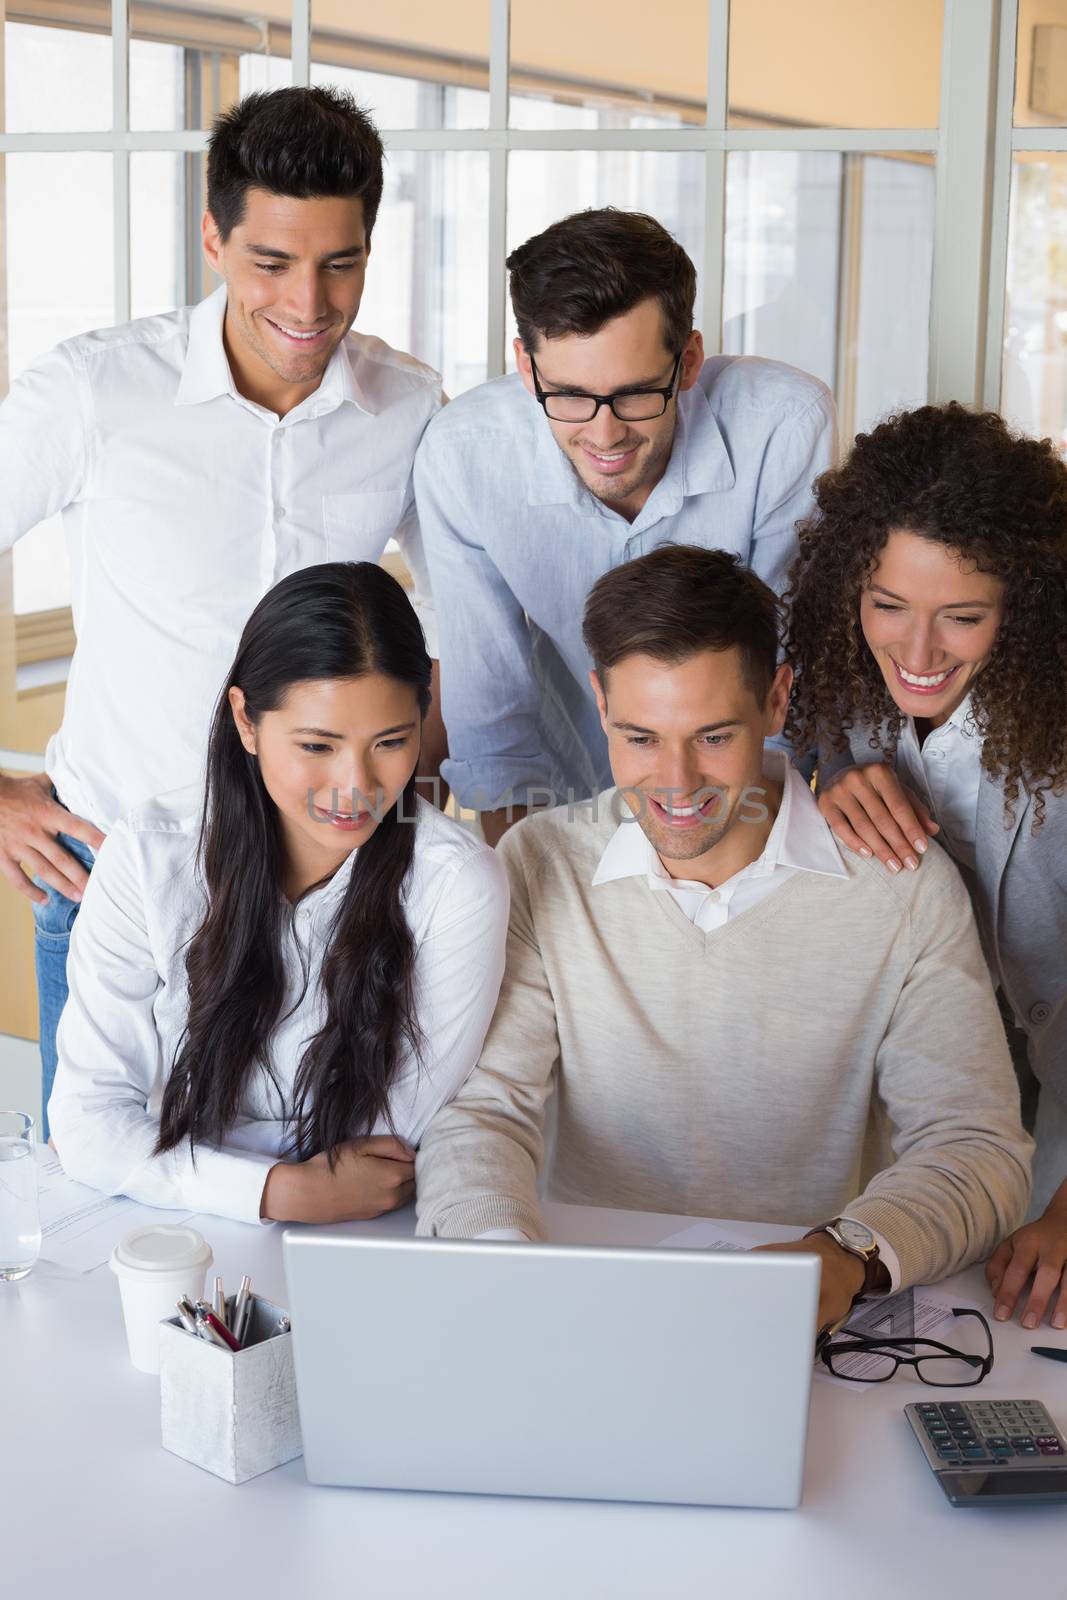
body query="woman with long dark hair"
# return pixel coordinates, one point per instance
(276, 979)
(928, 635)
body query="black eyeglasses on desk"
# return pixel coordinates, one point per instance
(939, 1365)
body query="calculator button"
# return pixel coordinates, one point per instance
(1051, 1449)
(928, 1410)
(997, 1441)
(954, 1410)
(975, 1452)
(948, 1452)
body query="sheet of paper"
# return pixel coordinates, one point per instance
(912, 1314)
(710, 1236)
(80, 1226)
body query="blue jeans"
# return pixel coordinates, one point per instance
(54, 920)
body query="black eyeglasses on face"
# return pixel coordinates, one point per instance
(939, 1365)
(629, 405)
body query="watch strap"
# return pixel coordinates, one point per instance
(876, 1279)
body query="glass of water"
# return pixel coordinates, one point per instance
(20, 1217)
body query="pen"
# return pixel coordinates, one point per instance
(209, 1327)
(242, 1308)
(218, 1303)
(1054, 1352)
(222, 1331)
(187, 1314)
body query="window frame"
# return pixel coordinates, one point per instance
(967, 307)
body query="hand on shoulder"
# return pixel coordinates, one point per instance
(870, 811)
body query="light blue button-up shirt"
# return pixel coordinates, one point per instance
(515, 541)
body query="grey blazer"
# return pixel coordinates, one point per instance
(1021, 905)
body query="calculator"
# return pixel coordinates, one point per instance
(993, 1452)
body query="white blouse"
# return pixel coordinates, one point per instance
(128, 1003)
(946, 773)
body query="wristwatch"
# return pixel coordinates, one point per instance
(858, 1240)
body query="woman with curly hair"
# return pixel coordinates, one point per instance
(928, 636)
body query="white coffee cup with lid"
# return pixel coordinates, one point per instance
(155, 1266)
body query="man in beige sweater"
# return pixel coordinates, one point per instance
(739, 1018)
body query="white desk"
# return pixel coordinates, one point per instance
(90, 1503)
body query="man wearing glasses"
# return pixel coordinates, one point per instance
(614, 436)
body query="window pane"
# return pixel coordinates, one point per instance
(1034, 381)
(886, 361)
(57, 79)
(157, 85)
(51, 200)
(546, 185)
(783, 219)
(411, 65)
(427, 277)
(827, 267)
(157, 244)
(189, 62)
(58, 210)
(1041, 65)
(835, 63)
(618, 67)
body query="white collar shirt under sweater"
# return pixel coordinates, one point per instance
(182, 504)
(836, 1049)
(128, 1005)
(799, 841)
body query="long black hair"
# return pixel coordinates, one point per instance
(343, 619)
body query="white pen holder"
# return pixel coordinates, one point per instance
(232, 1413)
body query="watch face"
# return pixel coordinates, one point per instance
(855, 1234)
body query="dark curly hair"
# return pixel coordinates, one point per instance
(964, 480)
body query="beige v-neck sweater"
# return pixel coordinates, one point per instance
(836, 1047)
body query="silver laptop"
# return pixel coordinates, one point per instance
(530, 1369)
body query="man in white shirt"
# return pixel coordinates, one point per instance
(739, 1019)
(197, 458)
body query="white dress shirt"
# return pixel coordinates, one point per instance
(946, 773)
(182, 504)
(128, 1006)
(799, 841)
